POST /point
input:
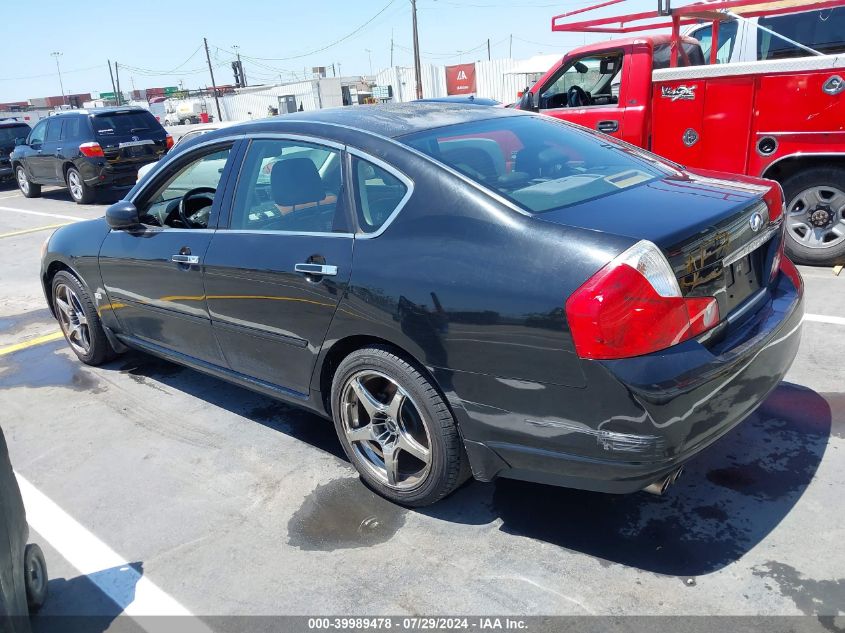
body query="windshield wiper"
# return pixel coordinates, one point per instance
(138, 129)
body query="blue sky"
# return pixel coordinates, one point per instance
(151, 38)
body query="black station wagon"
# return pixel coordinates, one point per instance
(463, 290)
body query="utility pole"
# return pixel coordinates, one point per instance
(117, 95)
(333, 73)
(370, 57)
(488, 49)
(57, 54)
(213, 85)
(510, 48)
(111, 74)
(391, 48)
(417, 69)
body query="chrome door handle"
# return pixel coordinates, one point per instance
(316, 269)
(185, 259)
(608, 127)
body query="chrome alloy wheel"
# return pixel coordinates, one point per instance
(72, 319)
(816, 217)
(23, 183)
(385, 429)
(75, 185)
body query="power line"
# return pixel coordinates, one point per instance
(64, 72)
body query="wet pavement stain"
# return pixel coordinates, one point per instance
(17, 322)
(49, 365)
(812, 597)
(344, 514)
(139, 368)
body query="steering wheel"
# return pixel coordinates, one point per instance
(183, 213)
(576, 97)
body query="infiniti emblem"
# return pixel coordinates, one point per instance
(756, 221)
(135, 138)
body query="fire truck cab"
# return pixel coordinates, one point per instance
(782, 119)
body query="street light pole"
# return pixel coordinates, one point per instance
(57, 54)
(370, 57)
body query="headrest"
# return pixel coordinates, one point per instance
(296, 181)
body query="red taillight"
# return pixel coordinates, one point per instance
(169, 140)
(774, 200)
(633, 306)
(91, 150)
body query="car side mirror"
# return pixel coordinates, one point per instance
(20, 141)
(123, 215)
(527, 101)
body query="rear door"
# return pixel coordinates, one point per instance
(36, 161)
(275, 274)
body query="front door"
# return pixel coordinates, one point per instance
(154, 275)
(587, 91)
(36, 161)
(275, 274)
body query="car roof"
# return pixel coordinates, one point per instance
(391, 120)
(469, 99)
(12, 123)
(99, 111)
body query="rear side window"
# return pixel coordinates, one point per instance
(124, 123)
(378, 194)
(54, 129)
(72, 128)
(822, 30)
(289, 186)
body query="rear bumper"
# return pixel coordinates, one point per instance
(100, 173)
(639, 418)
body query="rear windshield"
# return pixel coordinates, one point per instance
(538, 162)
(124, 123)
(10, 133)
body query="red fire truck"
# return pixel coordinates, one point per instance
(782, 119)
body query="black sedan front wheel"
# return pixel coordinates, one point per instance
(79, 320)
(396, 428)
(35, 577)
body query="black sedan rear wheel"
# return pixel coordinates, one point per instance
(79, 320)
(396, 428)
(35, 577)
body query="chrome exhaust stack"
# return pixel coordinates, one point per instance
(660, 486)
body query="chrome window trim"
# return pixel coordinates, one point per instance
(161, 229)
(262, 232)
(406, 180)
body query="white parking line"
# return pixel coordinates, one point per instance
(90, 555)
(822, 318)
(42, 214)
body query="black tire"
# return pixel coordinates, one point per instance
(79, 191)
(447, 463)
(826, 178)
(28, 188)
(98, 349)
(35, 577)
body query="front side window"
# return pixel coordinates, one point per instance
(538, 162)
(378, 193)
(194, 185)
(587, 81)
(36, 137)
(289, 186)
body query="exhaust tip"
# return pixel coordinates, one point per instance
(660, 486)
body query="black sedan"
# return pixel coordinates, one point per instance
(460, 289)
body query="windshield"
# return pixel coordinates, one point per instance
(12, 132)
(124, 123)
(538, 162)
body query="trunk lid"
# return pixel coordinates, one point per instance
(715, 233)
(129, 137)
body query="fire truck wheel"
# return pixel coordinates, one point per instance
(815, 216)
